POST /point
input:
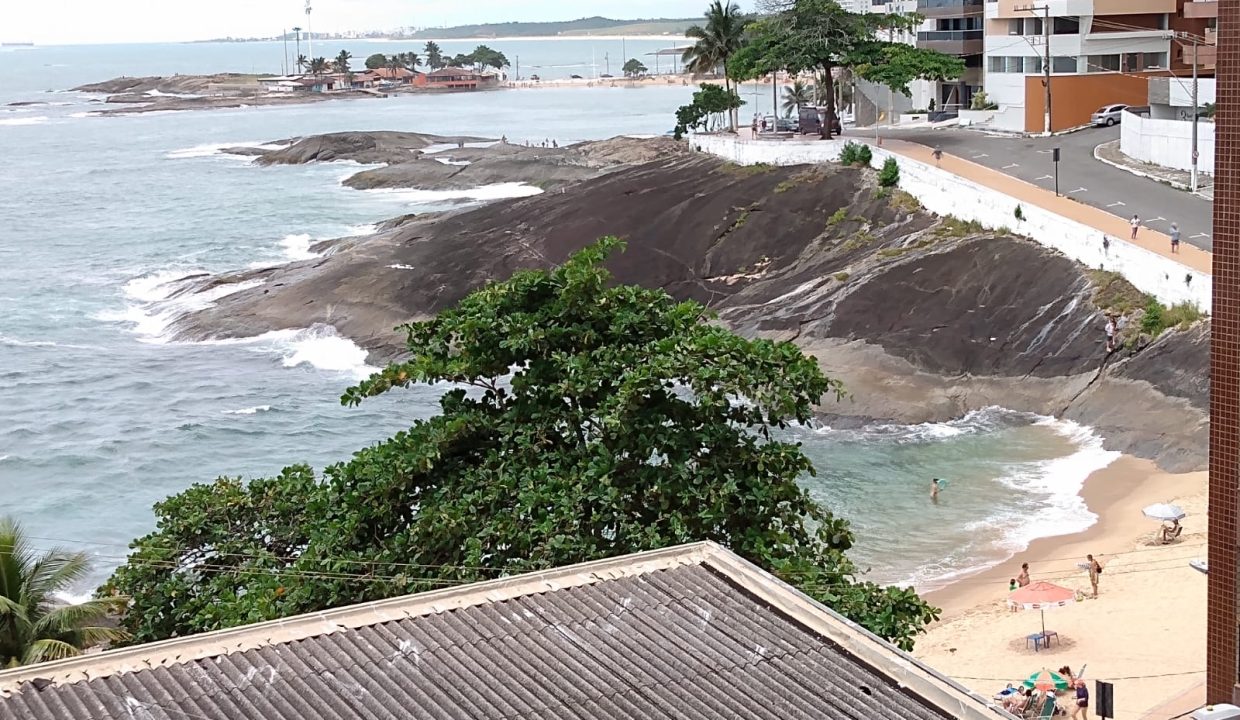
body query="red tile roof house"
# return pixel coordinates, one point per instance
(399, 75)
(458, 79)
(681, 633)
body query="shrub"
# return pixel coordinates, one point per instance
(980, 101)
(889, 176)
(1152, 320)
(850, 154)
(865, 155)
(841, 276)
(838, 217)
(1020, 213)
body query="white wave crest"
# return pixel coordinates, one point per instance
(158, 93)
(498, 191)
(35, 120)
(249, 411)
(399, 266)
(159, 299)
(216, 150)
(297, 247)
(318, 346)
(16, 342)
(450, 161)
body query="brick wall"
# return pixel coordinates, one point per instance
(1223, 634)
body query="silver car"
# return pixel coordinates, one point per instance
(1108, 115)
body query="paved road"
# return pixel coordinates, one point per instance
(1080, 175)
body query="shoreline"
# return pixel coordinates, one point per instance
(1146, 630)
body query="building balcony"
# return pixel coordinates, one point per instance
(953, 42)
(950, 8)
(1201, 9)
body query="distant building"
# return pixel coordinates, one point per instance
(689, 631)
(400, 76)
(1101, 52)
(457, 78)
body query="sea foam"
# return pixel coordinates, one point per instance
(498, 191)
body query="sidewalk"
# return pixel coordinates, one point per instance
(1102, 221)
(1110, 154)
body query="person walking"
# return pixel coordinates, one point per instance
(1175, 238)
(938, 157)
(1095, 571)
(1135, 222)
(1080, 708)
(1111, 329)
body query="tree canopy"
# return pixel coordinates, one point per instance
(434, 56)
(819, 36)
(580, 420)
(716, 41)
(633, 68)
(33, 626)
(709, 103)
(376, 61)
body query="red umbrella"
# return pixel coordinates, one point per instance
(1040, 596)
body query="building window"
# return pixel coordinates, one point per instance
(1102, 63)
(1066, 26)
(1063, 64)
(1014, 65)
(1154, 61)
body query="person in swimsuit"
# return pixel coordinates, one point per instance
(1095, 570)
(1081, 707)
(1023, 578)
(934, 490)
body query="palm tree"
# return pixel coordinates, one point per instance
(410, 59)
(394, 63)
(302, 63)
(434, 56)
(33, 628)
(715, 42)
(300, 57)
(318, 66)
(342, 62)
(796, 96)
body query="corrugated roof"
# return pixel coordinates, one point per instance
(690, 632)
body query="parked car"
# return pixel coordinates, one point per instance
(1108, 115)
(782, 124)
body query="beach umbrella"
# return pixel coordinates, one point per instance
(1040, 596)
(1045, 680)
(1164, 511)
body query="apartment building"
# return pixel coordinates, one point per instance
(1100, 52)
(955, 27)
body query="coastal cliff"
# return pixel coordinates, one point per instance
(923, 318)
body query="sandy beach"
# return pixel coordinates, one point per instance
(1145, 631)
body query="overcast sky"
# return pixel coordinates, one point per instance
(110, 21)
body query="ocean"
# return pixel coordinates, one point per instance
(101, 415)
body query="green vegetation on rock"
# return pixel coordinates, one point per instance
(889, 176)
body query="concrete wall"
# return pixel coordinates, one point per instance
(1075, 97)
(1167, 142)
(943, 193)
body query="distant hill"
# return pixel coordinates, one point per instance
(584, 26)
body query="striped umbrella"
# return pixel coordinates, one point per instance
(1040, 596)
(1046, 680)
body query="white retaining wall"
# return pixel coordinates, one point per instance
(943, 193)
(1167, 142)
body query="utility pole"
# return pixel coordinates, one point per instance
(297, 35)
(309, 32)
(284, 34)
(518, 68)
(1196, 115)
(607, 61)
(1046, 28)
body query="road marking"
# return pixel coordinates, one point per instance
(1045, 152)
(1160, 217)
(1115, 203)
(1044, 177)
(979, 157)
(1008, 167)
(1077, 191)
(1201, 235)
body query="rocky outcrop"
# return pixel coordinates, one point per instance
(367, 148)
(923, 318)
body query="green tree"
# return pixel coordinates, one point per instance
(303, 63)
(820, 36)
(633, 68)
(376, 61)
(33, 627)
(461, 60)
(484, 57)
(581, 420)
(341, 63)
(796, 96)
(395, 63)
(434, 56)
(410, 59)
(319, 66)
(715, 42)
(709, 103)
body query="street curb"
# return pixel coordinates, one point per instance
(1134, 171)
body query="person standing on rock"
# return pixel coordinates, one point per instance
(1111, 329)
(1175, 238)
(1136, 225)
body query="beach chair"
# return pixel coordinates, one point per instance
(1041, 707)
(1168, 536)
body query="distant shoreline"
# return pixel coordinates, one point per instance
(481, 38)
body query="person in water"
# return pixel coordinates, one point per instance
(934, 489)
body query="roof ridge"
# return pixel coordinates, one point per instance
(177, 651)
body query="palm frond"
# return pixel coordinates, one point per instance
(45, 650)
(67, 618)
